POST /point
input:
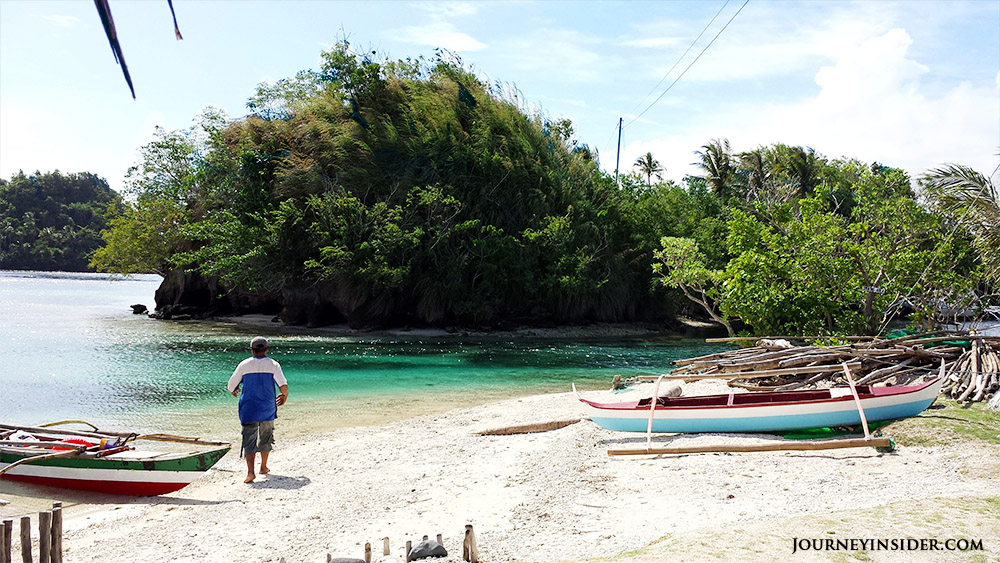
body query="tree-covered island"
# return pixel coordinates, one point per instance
(52, 220)
(412, 193)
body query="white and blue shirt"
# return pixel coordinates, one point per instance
(260, 377)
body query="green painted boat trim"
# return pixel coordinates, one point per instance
(200, 461)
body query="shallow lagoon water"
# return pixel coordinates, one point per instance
(72, 349)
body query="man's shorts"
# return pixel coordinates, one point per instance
(263, 430)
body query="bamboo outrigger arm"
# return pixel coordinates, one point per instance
(64, 453)
(106, 435)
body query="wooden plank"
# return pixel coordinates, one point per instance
(530, 428)
(773, 447)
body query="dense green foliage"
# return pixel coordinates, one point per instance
(52, 221)
(396, 192)
(821, 247)
(393, 191)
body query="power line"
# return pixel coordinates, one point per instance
(681, 58)
(690, 65)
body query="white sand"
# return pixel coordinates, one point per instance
(548, 496)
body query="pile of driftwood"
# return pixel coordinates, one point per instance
(784, 364)
(976, 373)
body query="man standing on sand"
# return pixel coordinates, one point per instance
(258, 405)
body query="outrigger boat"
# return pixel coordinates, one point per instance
(765, 411)
(105, 462)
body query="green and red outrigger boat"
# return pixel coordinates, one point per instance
(106, 462)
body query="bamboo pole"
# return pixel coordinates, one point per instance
(385, 545)
(106, 435)
(56, 431)
(793, 446)
(857, 401)
(652, 411)
(41, 457)
(750, 374)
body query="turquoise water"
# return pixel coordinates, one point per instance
(72, 349)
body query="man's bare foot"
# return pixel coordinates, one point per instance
(250, 478)
(264, 470)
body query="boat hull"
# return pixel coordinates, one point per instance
(881, 404)
(127, 473)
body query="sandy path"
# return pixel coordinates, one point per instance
(548, 496)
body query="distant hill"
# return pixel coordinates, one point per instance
(52, 221)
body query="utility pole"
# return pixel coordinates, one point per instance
(619, 155)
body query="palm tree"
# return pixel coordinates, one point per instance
(971, 199)
(648, 165)
(717, 162)
(758, 173)
(802, 167)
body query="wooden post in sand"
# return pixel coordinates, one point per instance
(385, 545)
(26, 539)
(57, 528)
(44, 536)
(368, 552)
(409, 546)
(470, 551)
(440, 540)
(6, 531)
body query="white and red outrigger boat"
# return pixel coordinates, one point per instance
(765, 411)
(105, 462)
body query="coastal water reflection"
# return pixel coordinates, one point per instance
(72, 349)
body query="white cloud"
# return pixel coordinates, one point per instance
(559, 55)
(653, 42)
(871, 105)
(63, 21)
(448, 9)
(760, 43)
(440, 34)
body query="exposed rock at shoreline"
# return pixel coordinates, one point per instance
(185, 296)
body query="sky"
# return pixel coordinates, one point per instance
(912, 84)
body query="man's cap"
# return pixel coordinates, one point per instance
(258, 343)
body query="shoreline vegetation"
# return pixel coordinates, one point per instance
(382, 193)
(557, 495)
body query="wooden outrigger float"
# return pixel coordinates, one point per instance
(104, 462)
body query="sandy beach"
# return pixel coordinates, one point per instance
(549, 496)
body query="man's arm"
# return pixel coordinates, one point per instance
(280, 399)
(234, 382)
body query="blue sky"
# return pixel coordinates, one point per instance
(910, 84)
